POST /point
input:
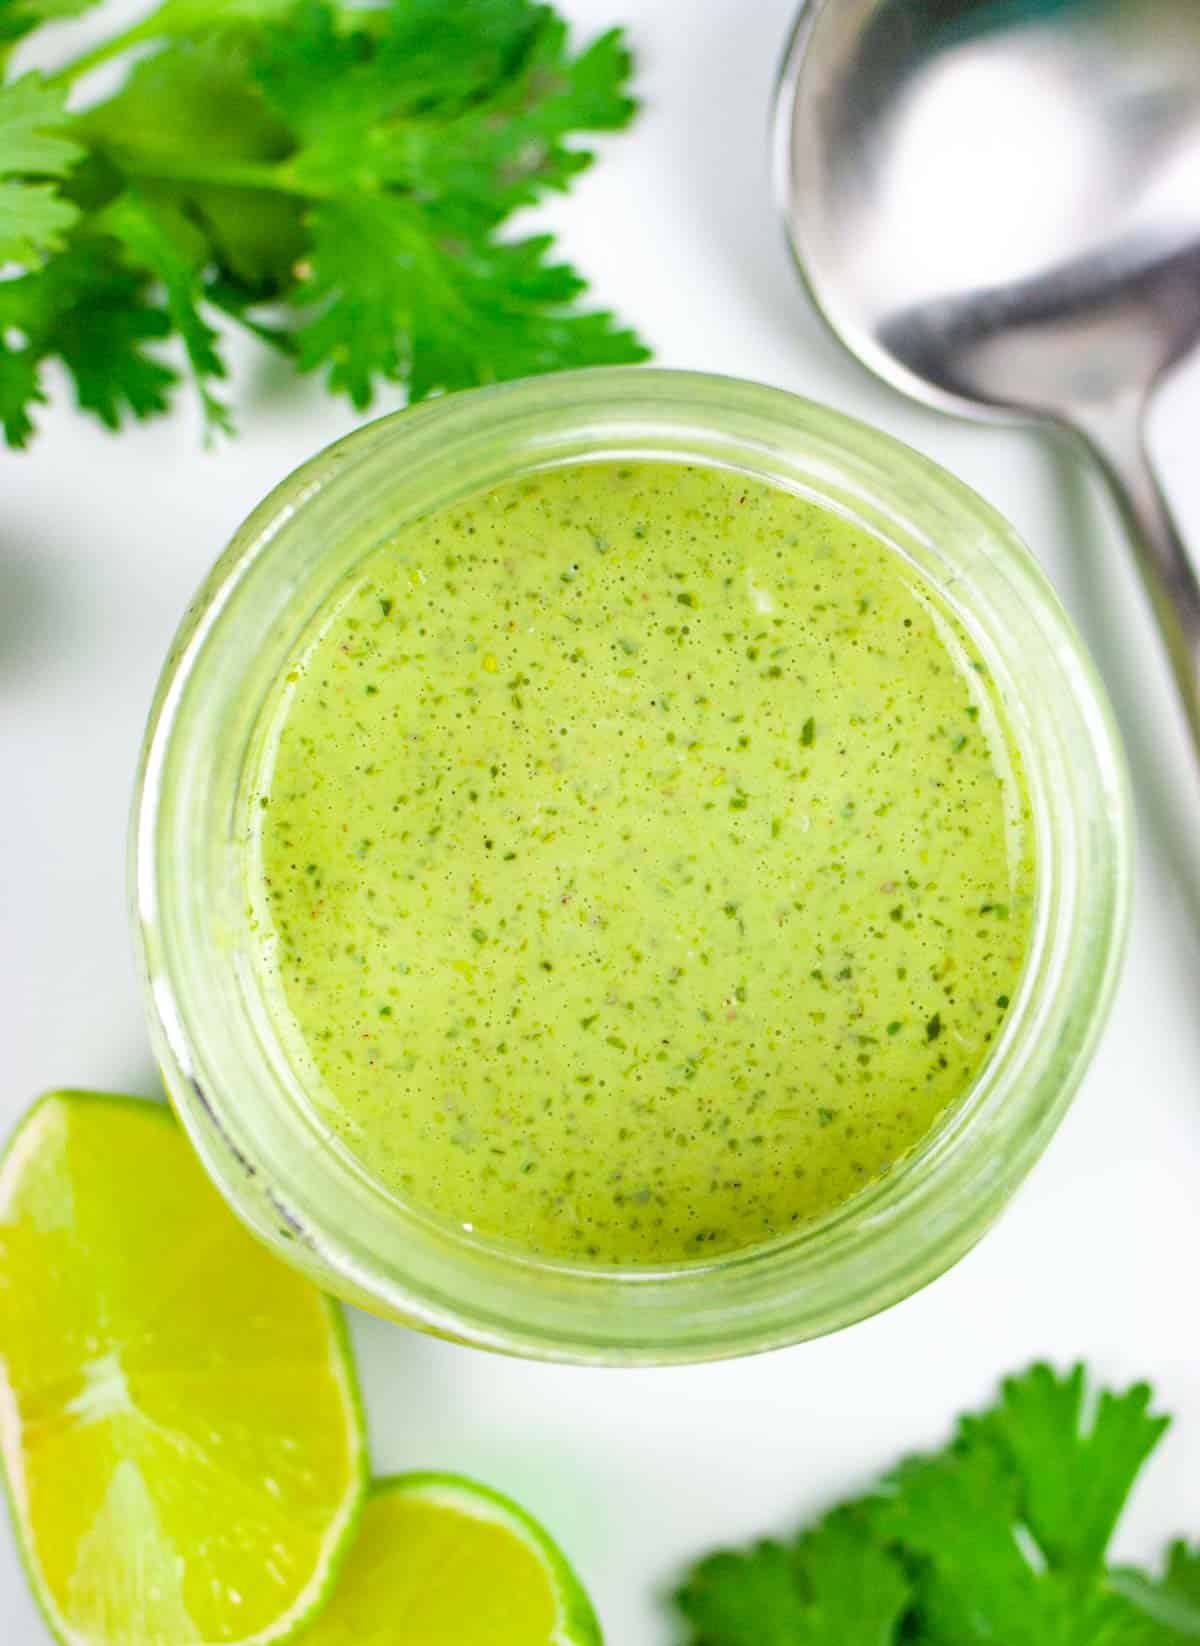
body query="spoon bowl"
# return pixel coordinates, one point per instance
(996, 206)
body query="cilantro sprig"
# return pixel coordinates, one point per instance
(1000, 1539)
(336, 179)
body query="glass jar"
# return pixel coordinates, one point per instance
(225, 1068)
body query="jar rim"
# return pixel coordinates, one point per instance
(230, 1085)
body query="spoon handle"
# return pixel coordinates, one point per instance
(1117, 438)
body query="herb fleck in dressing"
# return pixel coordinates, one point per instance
(644, 859)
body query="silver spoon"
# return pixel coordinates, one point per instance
(996, 205)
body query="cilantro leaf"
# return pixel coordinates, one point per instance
(93, 315)
(999, 1539)
(447, 119)
(834, 1586)
(398, 296)
(415, 59)
(101, 340)
(155, 236)
(857, 1591)
(20, 390)
(1009, 1525)
(29, 111)
(1075, 1474)
(978, 1575)
(471, 103)
(510, 149)
(33, 216)
(955, 1513)
(1182, 1578)
(1170, 1602)
(745, 1598)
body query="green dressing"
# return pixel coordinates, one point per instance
(643, 863)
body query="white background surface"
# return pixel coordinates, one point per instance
(101, 543)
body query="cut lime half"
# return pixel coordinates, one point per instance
(179, 1421)
(442, 1561)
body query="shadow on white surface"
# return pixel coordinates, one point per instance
(1113, 613)
(27, 595)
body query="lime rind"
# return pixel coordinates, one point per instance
(578, 1624)
(16, 1158)
(343, 1532)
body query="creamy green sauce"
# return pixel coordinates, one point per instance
(643, 864)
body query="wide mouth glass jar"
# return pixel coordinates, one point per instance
(227, 1069)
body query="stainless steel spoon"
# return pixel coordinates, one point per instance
(996, 205)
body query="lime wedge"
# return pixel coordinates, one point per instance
(179, 1421)
(442, 1561)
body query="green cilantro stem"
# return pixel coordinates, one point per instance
(213, 174)
(105, 51)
